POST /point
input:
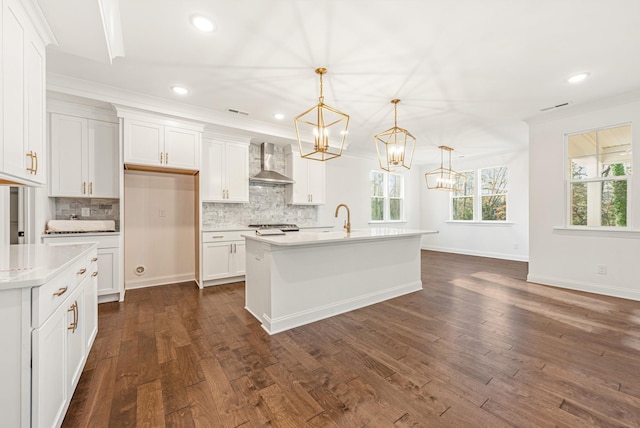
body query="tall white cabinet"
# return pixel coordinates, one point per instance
(225, 170)
(23, 92)
(84, 157)
(309, 177)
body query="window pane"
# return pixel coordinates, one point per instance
(616, 139)
(395, 209)
(395, 186)
(462, 208)
(494, 180)
(614, 203)
(494, 207)
(582, 144)
(469, 184)
(611, 169)
(585, 167)
(377, 209)
(377, 184)
(579, 204)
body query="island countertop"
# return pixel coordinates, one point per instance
(33, 265)
(313, 238)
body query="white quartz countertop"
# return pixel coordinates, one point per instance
(311, 238)
(36, 264)
(80, 235)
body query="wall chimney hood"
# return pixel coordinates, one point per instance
(267, 173)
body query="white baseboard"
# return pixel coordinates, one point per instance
(221, 281)
(276, 325)
(491, 255)
(158, 280)
(605, 290)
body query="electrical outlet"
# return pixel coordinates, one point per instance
(602, 269)
(86, 212)
(162, 213)
(516, 246)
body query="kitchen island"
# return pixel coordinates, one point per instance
(301, 277)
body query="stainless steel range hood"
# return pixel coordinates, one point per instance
(267, 173)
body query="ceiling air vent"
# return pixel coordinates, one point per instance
(236, 111)
(556, 106)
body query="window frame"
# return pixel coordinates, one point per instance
(569, 181)
(477, 197)
(386, 198)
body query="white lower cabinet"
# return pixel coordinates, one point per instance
(223, 257)
(65, 325)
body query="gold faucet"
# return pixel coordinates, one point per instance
(347, 224)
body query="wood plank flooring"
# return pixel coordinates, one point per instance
(478, 347)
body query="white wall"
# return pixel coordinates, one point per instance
(348, 182)
(481, 239)
(164, 245)
(570, 258)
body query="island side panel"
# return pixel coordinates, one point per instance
(312, 282)
(258, 279)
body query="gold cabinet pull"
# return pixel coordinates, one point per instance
(84, 187)
(35, 156)
(82, 271)
(95, 259)
(161, 158)
(94, 274)
(31, 168)
(166, 158)
(91, 187)
(73, 308)
(60, 291)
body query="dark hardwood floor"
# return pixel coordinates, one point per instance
(478, 347)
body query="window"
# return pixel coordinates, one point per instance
(488, 202)
(599, 166)
(387, 196)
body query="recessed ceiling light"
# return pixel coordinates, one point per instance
(180, 90)
(578, 78)
(202, 23)
(278, 116)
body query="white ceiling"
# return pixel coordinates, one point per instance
(467, 71)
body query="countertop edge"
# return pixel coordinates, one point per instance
(277, 240)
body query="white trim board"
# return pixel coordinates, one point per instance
(502, 256)
(587, 287)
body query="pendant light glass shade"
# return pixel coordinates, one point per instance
(324, 127)
(445, 178)
(395, 146)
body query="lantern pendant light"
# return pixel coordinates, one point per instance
(324, 126)
(444, 178)
(395, 146)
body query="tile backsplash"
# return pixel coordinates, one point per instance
(266, 201)
(100, 209)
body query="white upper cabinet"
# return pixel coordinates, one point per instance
(22, 118)
(84, 157)
(309, 177)
(225, 171)
(155, 143)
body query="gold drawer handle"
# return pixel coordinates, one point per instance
(60, 291)
(95, 259)
(94, 274)
(73, 308)
(82, 271)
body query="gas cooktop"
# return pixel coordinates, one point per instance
(285, 227)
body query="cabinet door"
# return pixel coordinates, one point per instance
(48, 392)
(237, 172)
(298, 170)
(108, 271)
(143, 143)
(238, 262)
(315, 181)
(90, 317)
(76, 346)
(211, 175)
(216, 260)
(35, 91)
(104, 166)
(14, 156)
(181, 148)
(68, 156)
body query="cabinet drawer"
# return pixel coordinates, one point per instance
(49, 296)
(235, 235)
